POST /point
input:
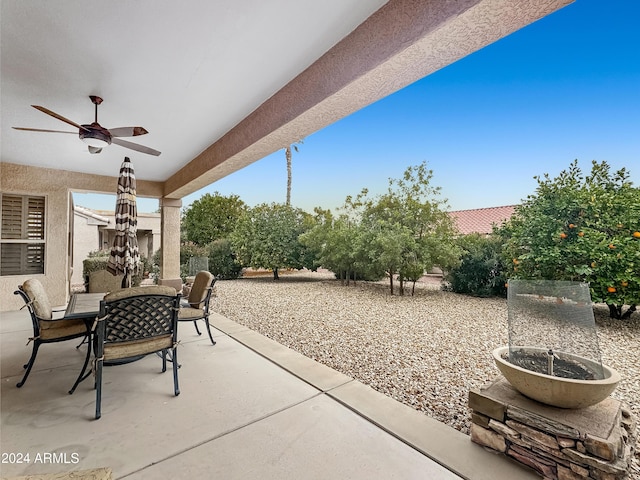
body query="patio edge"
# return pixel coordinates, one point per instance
(436, 440)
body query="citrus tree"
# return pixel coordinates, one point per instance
(584, 228)
(211, 217)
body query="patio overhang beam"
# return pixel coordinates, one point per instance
(38, 177)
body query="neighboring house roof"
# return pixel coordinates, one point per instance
(92, 217)
(481, 220)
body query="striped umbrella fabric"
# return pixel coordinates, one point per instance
(125, 255)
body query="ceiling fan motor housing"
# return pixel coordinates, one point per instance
(95, 135)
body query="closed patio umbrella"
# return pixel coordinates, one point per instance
(125, 256)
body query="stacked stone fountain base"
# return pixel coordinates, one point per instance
(595, 442)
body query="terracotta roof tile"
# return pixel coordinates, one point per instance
(481, 220)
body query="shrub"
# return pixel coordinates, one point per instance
(222, 261)
(97, 260)
(481, 271)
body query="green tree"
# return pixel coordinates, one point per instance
(266, 236)
(211, 217)
(407, 229)
(581, 228)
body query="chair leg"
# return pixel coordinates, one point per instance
(176, 388)
(32, 360)
(98, 388)
(206, 322)
(164, 361)
(195, 324)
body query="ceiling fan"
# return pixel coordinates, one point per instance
(96, 136)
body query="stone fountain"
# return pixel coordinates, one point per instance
(551, 409)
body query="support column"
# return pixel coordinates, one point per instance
(170, 243)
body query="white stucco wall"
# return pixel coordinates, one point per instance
(57, 269)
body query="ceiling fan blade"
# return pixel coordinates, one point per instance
(59, 117)
(135, 146)
(94, 149)
(127, 131)
(41, 130)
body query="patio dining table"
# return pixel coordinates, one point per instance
(83, 305)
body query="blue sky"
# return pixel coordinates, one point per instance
(566, 87)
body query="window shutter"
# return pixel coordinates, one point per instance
(23, 233)
(11, 217)
(35, 220)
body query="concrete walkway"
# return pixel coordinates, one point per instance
(249, 408)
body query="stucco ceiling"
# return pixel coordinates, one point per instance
(187, 71)
(217, 83)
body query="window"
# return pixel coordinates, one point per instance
(22, 235)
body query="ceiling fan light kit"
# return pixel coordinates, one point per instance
(95, 135)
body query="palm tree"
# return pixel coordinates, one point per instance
(287, 154)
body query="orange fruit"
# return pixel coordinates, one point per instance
(571, 225)
(636, 234)
(624, 283)
(515, 261)
(563, 235)
(612, 246)
(581, 234)
(611, 289)
(593, 264)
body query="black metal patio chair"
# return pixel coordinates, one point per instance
(46, 328)
(135, 322)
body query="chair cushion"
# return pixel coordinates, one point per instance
(61, 328)
(134, 348)
(38, 296)
(188, 313)
(199, 289)
(103, 281)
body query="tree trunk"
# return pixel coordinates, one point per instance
(391, 282)
(401, 280)
(275, 274)
(287, 154)
(615, 311)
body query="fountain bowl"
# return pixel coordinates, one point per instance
(552, 390)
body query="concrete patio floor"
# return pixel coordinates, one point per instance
(248, 408)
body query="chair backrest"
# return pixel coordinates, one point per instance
(201, 287)
(38, 300)
(136, 314)
(103, 281)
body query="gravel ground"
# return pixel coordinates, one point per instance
(425, 351)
